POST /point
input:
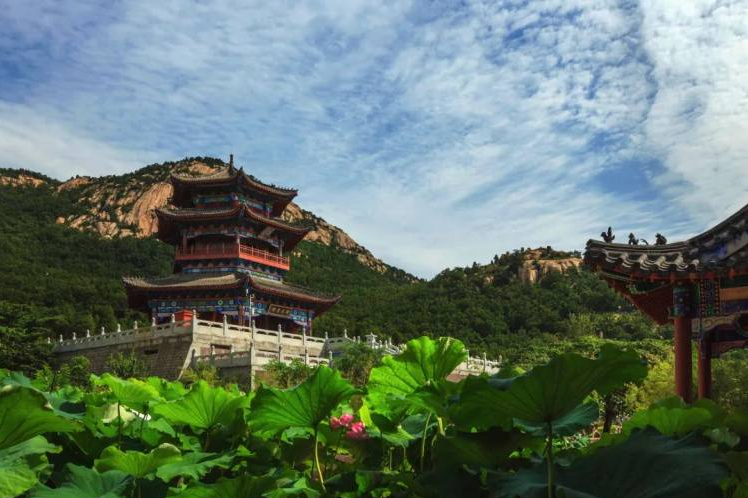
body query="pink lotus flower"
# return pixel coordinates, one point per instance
(344, 421)
(357, 431)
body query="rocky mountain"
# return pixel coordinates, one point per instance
(538, 263)
(123, 205)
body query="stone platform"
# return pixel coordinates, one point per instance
(236, 351)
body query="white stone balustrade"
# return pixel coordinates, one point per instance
(260, 346)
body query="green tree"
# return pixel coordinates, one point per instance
(356, 361)
(286, 375)
(127, 366)
(21, 350)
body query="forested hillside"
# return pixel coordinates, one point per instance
(56, 280)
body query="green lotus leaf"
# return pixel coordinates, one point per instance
(133, 393)
(424, 361)
(460, 459)
(670, 421)
(741, 491)
(476, 408)
(647, 465)
(737, 421)
(738, 463)
(580, 417)
(83, 482)
(135, 463)
(300, 487)
(481, 449)
(549, 392)
(25, 413)
(194, 465)
(203, 408)
(301, 407)
(169, 390)
(65, 401)
(21, 464)
(244, 486)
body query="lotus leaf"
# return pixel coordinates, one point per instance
(647, 465)
(203, 408)
(135, 463)
(301, 407)
(83, 482)
(21, 464)
(25, 413)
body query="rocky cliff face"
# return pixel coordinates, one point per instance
(118, 206)
(535, 266)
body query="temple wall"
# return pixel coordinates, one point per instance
(170, 348)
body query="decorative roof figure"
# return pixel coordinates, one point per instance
(608, 236)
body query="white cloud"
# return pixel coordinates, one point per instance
(435, 133)
(32, 141)
(698, 123)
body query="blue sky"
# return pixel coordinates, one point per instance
(435, 133)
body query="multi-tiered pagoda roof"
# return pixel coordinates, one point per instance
(231, 253)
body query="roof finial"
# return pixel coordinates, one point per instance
(231, 161)
(608, 236)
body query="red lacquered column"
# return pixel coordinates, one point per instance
(705, 367)
(682, 339)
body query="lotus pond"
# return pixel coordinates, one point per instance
(409, 432)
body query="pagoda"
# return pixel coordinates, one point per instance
(231, 257)
(700, 285)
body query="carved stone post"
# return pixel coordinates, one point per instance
(225, 325)
(251, 365)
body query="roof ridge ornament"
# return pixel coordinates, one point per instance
(633, 241)
(608, 236)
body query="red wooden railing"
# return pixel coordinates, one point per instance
(214, 251)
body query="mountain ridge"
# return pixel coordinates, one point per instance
(124, 205)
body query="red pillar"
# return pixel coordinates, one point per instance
(683, 357)
(705, 367)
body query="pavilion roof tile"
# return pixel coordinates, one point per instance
(231, 174)
(206, 213)
(718, 250)
(184, 281)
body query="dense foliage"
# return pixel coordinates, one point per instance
(55, 280)
(408, 432)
